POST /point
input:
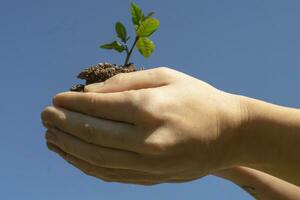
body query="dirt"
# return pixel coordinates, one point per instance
(101, 72)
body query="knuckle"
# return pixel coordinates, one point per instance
(164, 71)
(144, 98)
(160, 143)
(132, 97)
(153, 104)
(163, 68)
(156, 148)
(166, 74)
(140, 104)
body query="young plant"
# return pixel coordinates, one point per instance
(144, 25)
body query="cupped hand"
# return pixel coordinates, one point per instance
(146, 127)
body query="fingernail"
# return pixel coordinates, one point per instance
(93, 87)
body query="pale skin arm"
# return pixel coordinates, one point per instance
(161, 125)
(260, 185)
(270, 140)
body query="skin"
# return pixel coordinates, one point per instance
(260, 185)
(270, 140)
(123, 129)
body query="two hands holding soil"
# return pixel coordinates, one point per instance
(161, 125)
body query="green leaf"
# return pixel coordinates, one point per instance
(150, 14)
(114, 45)
(121, 31)
(107, 46)
(145, 46)
(147, 27)
(118, 47)
(136, 14)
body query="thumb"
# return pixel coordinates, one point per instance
(133, 81)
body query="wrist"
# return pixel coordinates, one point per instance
(253, 135)
(268, 139)
(232, 121)
(242, 144)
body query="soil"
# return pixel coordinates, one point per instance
(101, 72)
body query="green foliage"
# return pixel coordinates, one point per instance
(145, 46)
(121, 31)
(147, 27)
(136, 13)
(144, 25)
(115, 45)
(149, 15)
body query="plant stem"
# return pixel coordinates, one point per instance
(126, 49)
(131, 49)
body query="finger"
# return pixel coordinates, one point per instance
(92, 130)
(133, 81)
(112, 106)
(96, 155)
(88, 169)
(108, 174)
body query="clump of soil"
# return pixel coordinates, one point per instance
(101, 72)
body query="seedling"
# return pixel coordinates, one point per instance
(144, 26)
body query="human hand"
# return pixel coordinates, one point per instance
(145, 127)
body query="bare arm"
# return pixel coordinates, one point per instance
(260, 185)
(270, 140)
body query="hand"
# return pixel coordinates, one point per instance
(145, 127)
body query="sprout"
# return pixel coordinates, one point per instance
(144, 25)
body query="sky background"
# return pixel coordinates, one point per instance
(244, 47)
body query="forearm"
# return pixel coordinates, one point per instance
(269, 140)
(260, 185)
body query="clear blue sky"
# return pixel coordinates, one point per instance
(245, 47)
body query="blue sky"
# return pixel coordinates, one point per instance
(245, 47)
